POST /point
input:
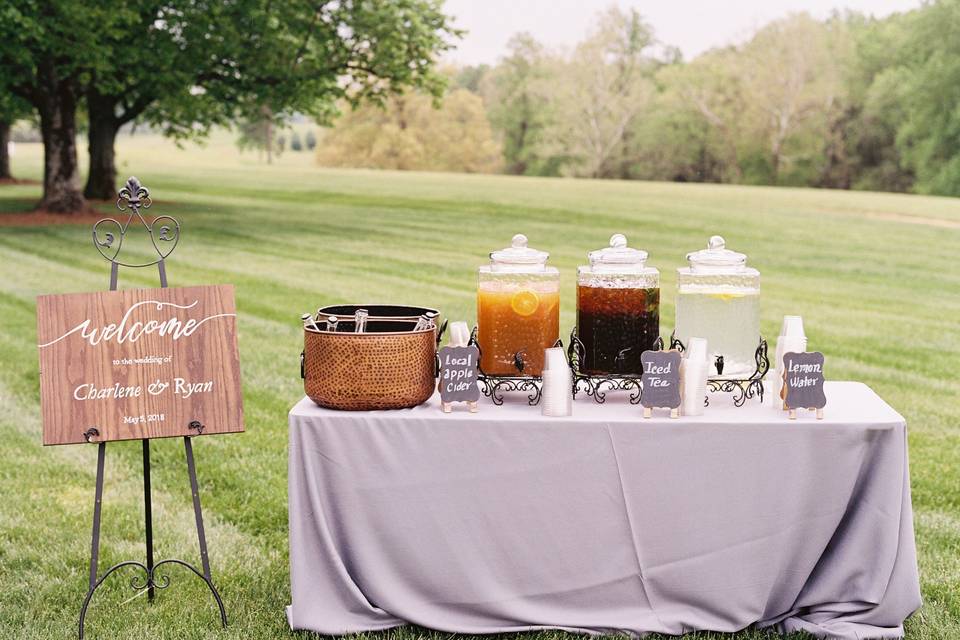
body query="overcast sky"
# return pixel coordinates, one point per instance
(692, 25)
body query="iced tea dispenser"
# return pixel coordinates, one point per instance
(718, 298)
(518, 309)
(618, 309)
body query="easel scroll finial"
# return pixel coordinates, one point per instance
(109, 233)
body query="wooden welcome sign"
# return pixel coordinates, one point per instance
(139, 363)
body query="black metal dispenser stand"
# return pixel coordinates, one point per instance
(109, 242)
(597, 386)
(494, 386)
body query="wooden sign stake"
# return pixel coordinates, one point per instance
(135, 196)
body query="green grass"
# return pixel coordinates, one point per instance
(875, 276)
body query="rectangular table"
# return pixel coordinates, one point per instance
(506, 521)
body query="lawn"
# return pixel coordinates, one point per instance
(875, 276)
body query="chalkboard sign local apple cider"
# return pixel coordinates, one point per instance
(138, 363)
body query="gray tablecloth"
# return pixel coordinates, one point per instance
(603, 522)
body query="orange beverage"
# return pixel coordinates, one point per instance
(518, 310)
(521, 322)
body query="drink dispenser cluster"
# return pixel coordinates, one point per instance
(618, 309)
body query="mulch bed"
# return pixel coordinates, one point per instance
(45, 219)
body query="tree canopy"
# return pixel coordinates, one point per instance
(185, 65)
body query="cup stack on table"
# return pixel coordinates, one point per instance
(792, 339)
(557, 400)
(695, 371)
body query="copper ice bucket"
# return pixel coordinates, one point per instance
(388, 366)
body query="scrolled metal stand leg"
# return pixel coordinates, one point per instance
(148, 518)
(95, 542)
(201, 536)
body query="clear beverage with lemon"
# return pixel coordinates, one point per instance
(518, 310)
(718, 299)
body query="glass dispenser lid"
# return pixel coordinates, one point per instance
(716, 256)
(518, 257)
(617, 257)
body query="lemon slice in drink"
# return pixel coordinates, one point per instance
(524, 303)
(726, 297)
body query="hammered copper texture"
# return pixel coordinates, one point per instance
(366, 371)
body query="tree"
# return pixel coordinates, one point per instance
(518, 105)
(601, 91)
(186, 65)
(926, 80)
(673, 141)
(257, 132)
(44, 56)
(792, 74)
(12, 109)
(413, 133)
(472, 77)
(221, 59)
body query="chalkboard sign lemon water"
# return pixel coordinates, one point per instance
(803, 383)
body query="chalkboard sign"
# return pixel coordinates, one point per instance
(458, 376)
(660, 381)
(803, 382)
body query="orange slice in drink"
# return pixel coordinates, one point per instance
(524, 303)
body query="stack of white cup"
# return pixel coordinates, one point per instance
(557, 394)
(695, 369)
(792, 339)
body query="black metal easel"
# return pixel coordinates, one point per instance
(109, 242)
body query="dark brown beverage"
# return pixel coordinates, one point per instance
(615, 326)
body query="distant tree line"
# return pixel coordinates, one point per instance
(848, 102)
(184, 66)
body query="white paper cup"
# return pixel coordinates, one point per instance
(459, 334)
(556, 398)
(694, 386)
(696, 349)
(792, 326)
(554, 359)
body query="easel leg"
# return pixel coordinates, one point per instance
(201, 535)
(148, 517)
(162, 268)
(95, 541)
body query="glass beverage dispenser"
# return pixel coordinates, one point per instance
(518, 309)
(718, 298)
(618, 309)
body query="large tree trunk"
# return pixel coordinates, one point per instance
(104, 124)
(58, 125)
(5, 151)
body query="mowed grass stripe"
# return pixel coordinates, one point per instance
(878, 296)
